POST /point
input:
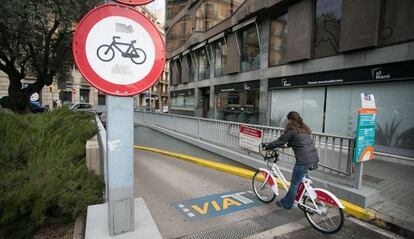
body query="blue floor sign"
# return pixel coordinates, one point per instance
(217, 205)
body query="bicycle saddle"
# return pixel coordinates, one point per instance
(132, 42)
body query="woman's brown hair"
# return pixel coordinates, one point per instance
(296, 123)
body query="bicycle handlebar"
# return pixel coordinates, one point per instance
(271, 155)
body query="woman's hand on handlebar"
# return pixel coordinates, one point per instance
(266, 146)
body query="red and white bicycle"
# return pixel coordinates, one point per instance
(322, 209)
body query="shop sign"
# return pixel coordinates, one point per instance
(378, 73)
(245, 86)
(250, 138)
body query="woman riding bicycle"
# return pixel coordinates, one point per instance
(296, 135)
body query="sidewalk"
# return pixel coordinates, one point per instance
(396, 185)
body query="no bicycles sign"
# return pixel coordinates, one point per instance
(118, 50)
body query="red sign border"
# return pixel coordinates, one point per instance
(134, 2)
(79, 49)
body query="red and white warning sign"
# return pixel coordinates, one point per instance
(250, 138)
(118, 50)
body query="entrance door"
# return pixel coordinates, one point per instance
(206, 101)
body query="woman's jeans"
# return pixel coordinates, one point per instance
(298, 173)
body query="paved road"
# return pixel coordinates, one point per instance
(190, 201)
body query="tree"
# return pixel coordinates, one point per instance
(36, 40)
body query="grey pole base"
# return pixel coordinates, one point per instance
(97, 223)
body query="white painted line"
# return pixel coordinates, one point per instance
(242, 199)
(181, 205)
(191, 214)
(186, 210)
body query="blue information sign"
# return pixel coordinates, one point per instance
(365, 135)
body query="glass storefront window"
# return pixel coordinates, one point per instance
(396, 23)
(327, 27)
(179, 33)
(309, 102)
(174, 7)
(239, 106)
(250, 49)
(212, 12)
(278, 40)
(185, 102)
(220, 57)
(203, 64)
(395, 117)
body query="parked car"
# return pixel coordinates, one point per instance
(82, 107)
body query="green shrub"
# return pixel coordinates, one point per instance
(43, 176)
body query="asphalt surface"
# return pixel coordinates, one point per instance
(190, 201)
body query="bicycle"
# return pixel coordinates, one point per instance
(322, 209)
(106, 52)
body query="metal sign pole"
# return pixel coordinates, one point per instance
(358, 175)
(120, 140)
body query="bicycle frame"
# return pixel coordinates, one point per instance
(305, 189)
(115, 44)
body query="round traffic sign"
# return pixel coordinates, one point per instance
(134, 2)
(118, 50)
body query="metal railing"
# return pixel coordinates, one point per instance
(335, 152)
(102, 153)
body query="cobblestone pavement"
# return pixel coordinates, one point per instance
(396, 185)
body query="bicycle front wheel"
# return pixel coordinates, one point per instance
(262, 189)
(329, 219)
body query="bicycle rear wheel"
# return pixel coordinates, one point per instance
(262, 189)
(329, 221)
(139, 57)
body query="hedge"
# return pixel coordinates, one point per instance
(43, 176)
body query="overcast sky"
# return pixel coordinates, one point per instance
(157, 4)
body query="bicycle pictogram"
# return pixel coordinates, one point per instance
(106, 52)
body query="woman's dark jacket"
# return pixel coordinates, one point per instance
(302, 144)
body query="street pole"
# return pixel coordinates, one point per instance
(120, 146)
(120, 156)
(150, 96)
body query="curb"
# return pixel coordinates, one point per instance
(363, 214)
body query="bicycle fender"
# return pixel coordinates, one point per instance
(270, 179)
(328, 197)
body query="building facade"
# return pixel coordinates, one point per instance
(156, 97)
(253, 61)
